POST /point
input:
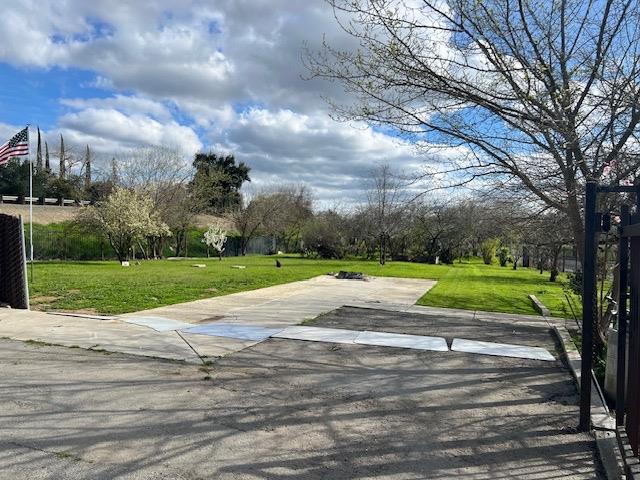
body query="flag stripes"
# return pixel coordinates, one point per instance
(17, 146)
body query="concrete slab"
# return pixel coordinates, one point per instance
(159, 324)
(278, 306)
(240, 332)
(292, 303)
(501, 349)
(316, 334)
(399, 340)
(112, 336)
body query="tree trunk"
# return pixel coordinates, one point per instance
(554, 263)
(577, 228)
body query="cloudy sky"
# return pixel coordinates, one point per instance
(199, 75)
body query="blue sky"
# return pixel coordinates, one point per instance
(191, 75)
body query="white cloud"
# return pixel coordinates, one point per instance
(108, 130)
(129, 105)
(230, 69)
(336, 159)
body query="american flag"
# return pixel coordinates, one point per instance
(17, 146)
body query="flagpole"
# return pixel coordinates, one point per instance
(30, 208)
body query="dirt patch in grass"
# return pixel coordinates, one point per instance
(39, 299)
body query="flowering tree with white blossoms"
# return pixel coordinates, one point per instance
(125, 218)
(215, 237)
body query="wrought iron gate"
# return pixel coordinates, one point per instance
(627, 412)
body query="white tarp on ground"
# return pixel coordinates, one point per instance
(159, 324)
(318, 334)
(501, 349)
(233, 330)
(419, 342)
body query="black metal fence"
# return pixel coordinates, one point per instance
(627, 398)
(67, 242)
(13, 287)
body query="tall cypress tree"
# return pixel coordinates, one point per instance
(47, 165)
(63, 165)
(39, 153)
(114, 171)
(87, 169)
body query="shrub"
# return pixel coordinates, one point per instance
(322, 236)
(503, 256)
(488, 250)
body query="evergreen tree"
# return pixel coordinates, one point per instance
(39, 153)
(47, 165)
(62, 170)
(87, 169)
(217, 181)
(114, 171)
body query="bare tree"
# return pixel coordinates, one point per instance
(440, 230)
(288, 209)
(540, 95)
(162, 173)
(386, 200)
(249, 219)
(151, 167)
(67, 161)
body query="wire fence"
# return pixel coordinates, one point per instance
(67, 242)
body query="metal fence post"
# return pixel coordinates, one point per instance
(621, 364)
(588, 304)
(632, 403)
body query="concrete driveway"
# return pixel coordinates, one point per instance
(286, 409)
(283, 305)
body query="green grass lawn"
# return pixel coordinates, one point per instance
(475, 286)
(106, 287)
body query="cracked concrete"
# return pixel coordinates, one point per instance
(286, 409)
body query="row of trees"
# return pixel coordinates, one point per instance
(161, 195)
(437, 231)
(71, 179)
(396, 223)
(151, 199)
